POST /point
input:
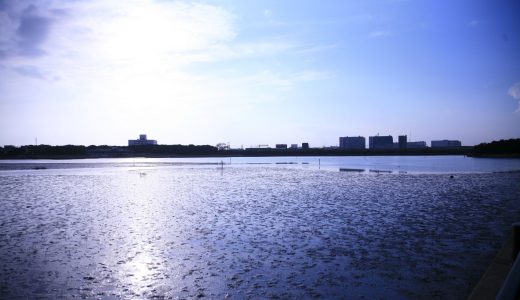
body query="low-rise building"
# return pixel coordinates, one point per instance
(142, 141)
(381, 142)
(352, 142)
(446, 144)
(281, 146)
(416, 145)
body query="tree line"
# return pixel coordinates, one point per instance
(37, 151)
(501, 148)
(506, 148)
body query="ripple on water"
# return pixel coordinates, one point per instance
(250, 232)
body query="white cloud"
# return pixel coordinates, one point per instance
(115, 59)
(93, 39)
(112, 33)
(283, 81)
(107, 63)
(514, 91)
(380, 33)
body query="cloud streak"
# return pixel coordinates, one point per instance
(270, 79)
(514, 91)
(380, 34)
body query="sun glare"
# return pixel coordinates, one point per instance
(148, 48)
(151, 33)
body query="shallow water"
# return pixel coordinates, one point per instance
(249, 232)
(366, 164)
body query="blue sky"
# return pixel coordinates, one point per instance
(258, 72)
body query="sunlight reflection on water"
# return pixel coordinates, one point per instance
(249, 232)
(395, 164)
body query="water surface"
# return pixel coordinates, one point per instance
(254, 231)
(399, 164)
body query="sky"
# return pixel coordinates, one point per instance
(258, 72)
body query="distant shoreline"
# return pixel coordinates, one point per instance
(254, 153)
(508, 155)
(187, 151)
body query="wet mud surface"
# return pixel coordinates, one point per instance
(241, 233)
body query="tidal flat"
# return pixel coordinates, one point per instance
(249, 232)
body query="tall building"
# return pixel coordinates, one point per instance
(402, 142)
(305, 145)
(142, 141)
(381, 142)
(352, 142)
(446, 144)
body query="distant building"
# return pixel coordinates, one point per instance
(281, 146)
(352, 142)
(416, 145)
(261, 146)
(381, 142)
(258, 147)
(403, 142)
(446, 144)
(142, 141)
(294, 146)
(305, 145)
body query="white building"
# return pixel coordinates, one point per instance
(142, 141)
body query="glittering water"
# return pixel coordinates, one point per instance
(366, 164)
(249, 232)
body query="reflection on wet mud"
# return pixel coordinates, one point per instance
(258, 232)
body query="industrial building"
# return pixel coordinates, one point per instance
(352, 142)
(381, 142)
(142, 141)
(446, 144)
